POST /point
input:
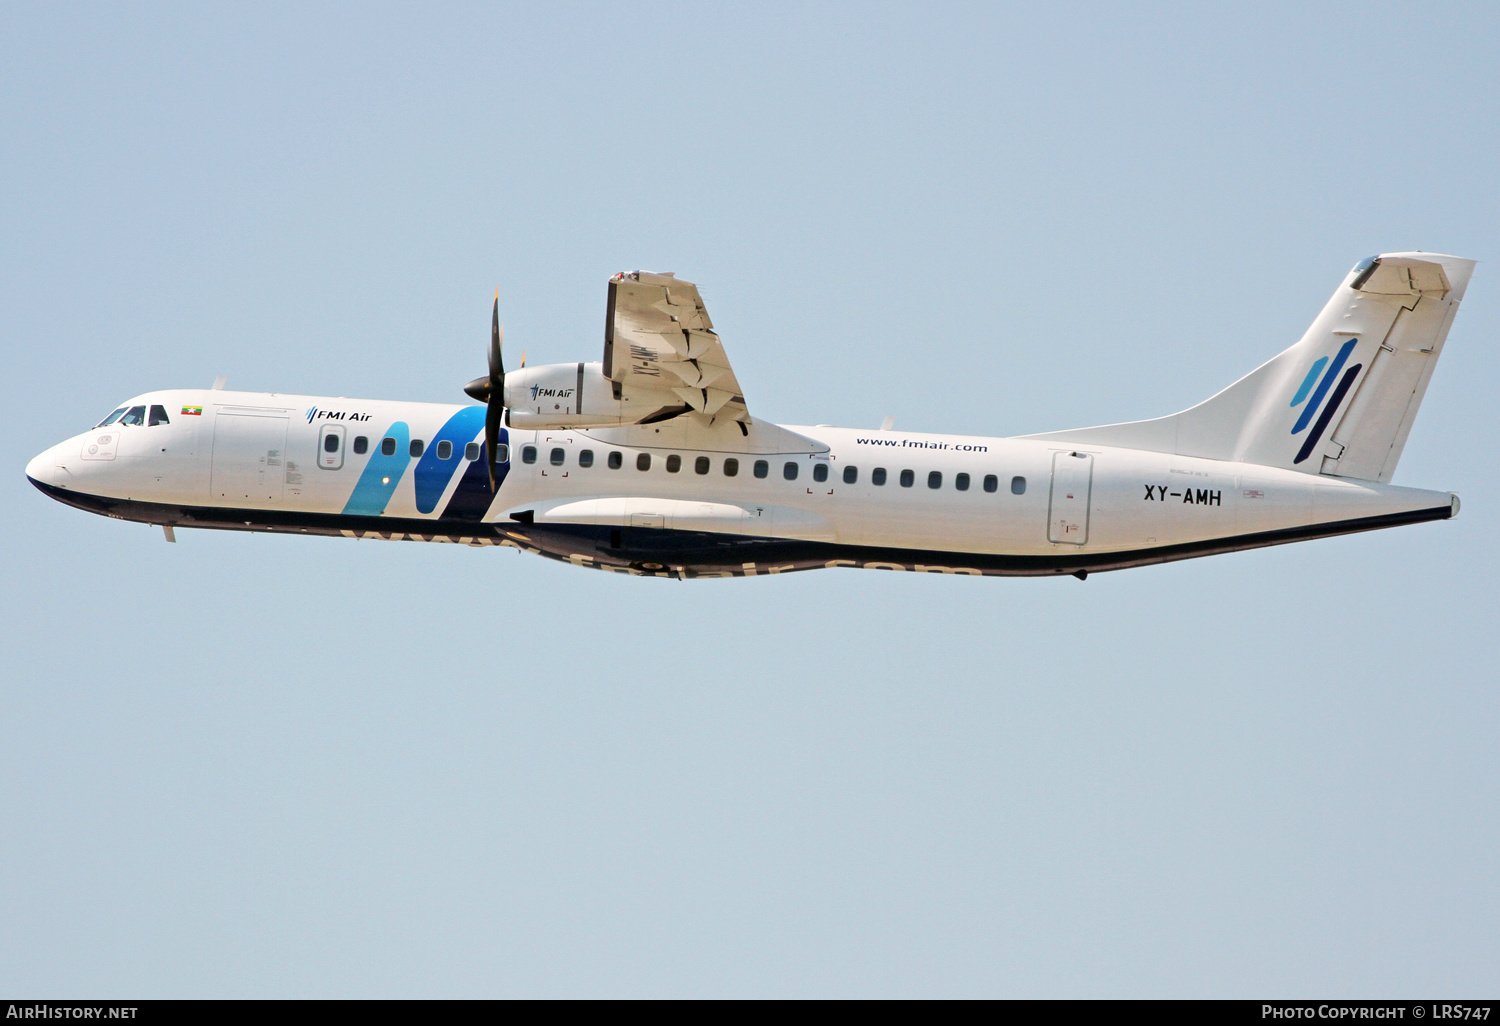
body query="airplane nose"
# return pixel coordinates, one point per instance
(43, 468)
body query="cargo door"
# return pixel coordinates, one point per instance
(249, 458)
(1068, 511)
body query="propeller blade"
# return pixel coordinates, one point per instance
(497, 337)
(495, 402)
(492, 414)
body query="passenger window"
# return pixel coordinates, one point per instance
(445, 450)
(528, 454)
(331, 442)
(731, 467)
(471, 451)
(1018, 486)
(935, 479)
(643, 461)
(961, 482)
(851, 475)
(387, 447)
(907, 478)
(415, 448)
(820, 472)
(136, 415)
(158, 416)
(700, 465)
(586, 457)
(877, 476)
(616, 461)
(762, 468)
(556, 457)
(111, 418)
(674, 463)
(991, 483)
(789, 471)
(361, 445)
(502, 453)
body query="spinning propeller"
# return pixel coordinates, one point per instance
(491, 390)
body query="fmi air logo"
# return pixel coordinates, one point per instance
(313, 413)
(1316, 374)
(550, 393)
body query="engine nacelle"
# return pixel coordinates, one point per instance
(564, 395)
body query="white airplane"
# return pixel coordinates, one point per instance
(649, 463)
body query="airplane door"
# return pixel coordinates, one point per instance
(1068, 511)
(331, 447)
(249, 457)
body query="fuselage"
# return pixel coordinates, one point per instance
(737, 501)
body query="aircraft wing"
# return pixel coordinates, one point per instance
(658, 338)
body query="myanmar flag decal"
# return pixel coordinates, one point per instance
(193, 411)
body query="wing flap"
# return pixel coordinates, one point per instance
(658, 337)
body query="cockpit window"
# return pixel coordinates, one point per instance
(158, 416)
(136, 415)
(111, 418)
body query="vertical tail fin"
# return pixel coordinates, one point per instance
(1339, 402)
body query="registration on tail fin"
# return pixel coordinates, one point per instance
(1339, 402)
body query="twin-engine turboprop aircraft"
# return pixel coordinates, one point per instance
(650, 462)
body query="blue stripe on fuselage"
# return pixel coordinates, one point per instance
(472, 498)
(433, 474)
(382, 474)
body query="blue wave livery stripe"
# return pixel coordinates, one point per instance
(1307, 382)
(433, 473)
(1311, 409)
(382, 474)
(1328, 412)
(472, 498)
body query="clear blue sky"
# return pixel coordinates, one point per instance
(293, 767)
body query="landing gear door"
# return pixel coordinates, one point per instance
(1068, 511)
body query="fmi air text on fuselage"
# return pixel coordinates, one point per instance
(315, 414)
(650, 463)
